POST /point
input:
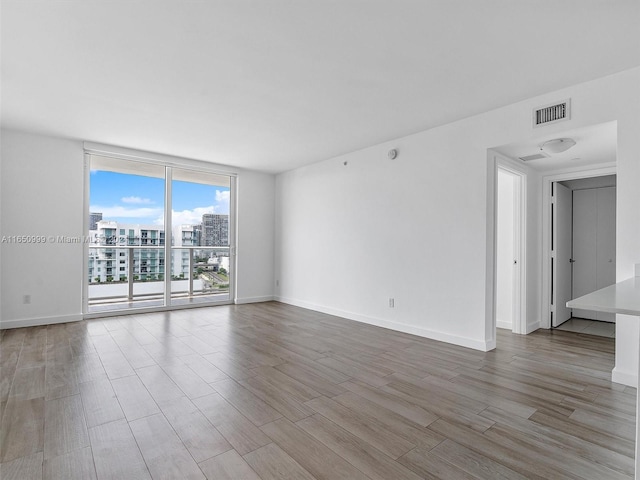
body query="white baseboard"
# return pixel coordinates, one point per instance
(34, 322)
(505, 325)
(265, 298)
(532, 327)
(629, 379)
(484, 346)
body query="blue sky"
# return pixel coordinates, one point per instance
(130, 198)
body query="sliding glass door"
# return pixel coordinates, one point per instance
(158, 236)
(201, 267)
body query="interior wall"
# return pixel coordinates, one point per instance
(349, 237)
(505, 250)
(42, 195)
(256, 203)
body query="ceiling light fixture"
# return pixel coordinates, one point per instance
(557, 145)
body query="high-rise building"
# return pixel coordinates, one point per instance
(94, 218)
(112, 264)
(215, 230)
(197, 232)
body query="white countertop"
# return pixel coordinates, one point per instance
(622, 297)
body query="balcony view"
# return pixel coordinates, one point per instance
(134, 261)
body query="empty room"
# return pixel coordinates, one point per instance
(319, 240)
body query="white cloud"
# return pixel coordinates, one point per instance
(222, 196)
(136, 200)
(189, 217)
(118, 211)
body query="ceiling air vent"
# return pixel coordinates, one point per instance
(553, 113)
(535, 156)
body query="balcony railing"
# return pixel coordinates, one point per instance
(194, 277)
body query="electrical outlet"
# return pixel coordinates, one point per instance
(26, 299)
(392, 303)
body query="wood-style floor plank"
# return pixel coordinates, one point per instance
(116, 453)
(432, 467)
(134, 398)
(22, 468)
(200, 437)
(291, 407)
(160, 386)
(562, 440)
(371, 412)
(75, 465)
(228, 466)
(366, 428)
(61, 380)
(187, 380)
(273, 391)
(100, 402)
(65, 428)
(235, 427)
(474, 463)
(22, 431)
(364, 456)
(246, 402)
(311, 454)
(272, 463)
(28, 383)
(165, 455)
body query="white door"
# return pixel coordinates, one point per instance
(594, 241)
(606, 243)
(562, 254)
(505, 255)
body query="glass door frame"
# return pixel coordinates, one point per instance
(168, 166)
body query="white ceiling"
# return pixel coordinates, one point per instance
(272, 85)
(595, 145)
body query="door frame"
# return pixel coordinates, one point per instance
(547, 180)
(554, 259)
(498, 162)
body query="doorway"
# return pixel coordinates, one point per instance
(592, 155)
(583, 249)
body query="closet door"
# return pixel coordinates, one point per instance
(606, 243)
(584, 247)
(594, 244)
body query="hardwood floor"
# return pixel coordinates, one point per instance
(270, 391)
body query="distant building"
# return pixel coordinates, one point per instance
(94, 218)
(215, 230)
(113, 263)
(197, 231)
(189, 235)
(148, 264)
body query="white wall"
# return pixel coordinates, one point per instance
(256, 215)
(425, 214)
(505, 250)
(42, 194)
(42, 191)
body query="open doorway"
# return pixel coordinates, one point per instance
(591, 153)
(583, 250)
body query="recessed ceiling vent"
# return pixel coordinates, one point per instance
(535, 156)
(553, 113)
